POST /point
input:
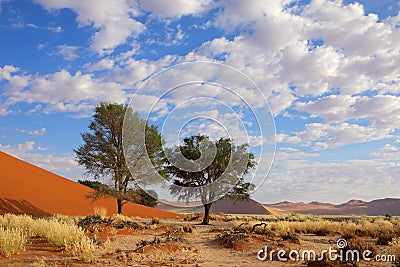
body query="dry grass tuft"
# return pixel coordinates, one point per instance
(101, 211)
(12, 241)
(11, 221)
(59, 233)
(84, 249)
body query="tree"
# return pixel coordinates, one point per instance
(194, 178)
(102, 152)
(148, 198)
(91, 184)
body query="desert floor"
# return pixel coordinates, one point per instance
(176, 242)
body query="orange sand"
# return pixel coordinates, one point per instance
(25, 188)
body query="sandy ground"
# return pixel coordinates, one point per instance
(168, 245)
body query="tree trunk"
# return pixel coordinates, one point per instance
(206, 218)
(119, 204)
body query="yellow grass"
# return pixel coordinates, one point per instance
(367, 226)
(101, 211)
(60, 230)
(12, 221)
(12, 241)
(59, 233)
(84, 249)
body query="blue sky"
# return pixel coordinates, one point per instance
(330, 71)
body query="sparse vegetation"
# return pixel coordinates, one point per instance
(60, 231)
(229, 239)
(84, 249)
(94, 239)
(60, 234)
(12, 241)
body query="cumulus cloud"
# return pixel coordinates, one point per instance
(325, 45)
(327, 136)
(324, 136)
(114, 20)
(63, 92)
(6, 71)
(382, 111)
(175, 8)
(68, 52)
(388, 152)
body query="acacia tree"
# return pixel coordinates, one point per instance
(224, 176)
(102, 153)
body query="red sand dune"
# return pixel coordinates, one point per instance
(28, 189)
(226, 205)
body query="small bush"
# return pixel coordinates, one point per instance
(395, 244)
(192, 217)
(59, 233)
(187, 228)
(11, 221)
(385, 238)
(154, 221)
(12, 241)
(291, 238)
(230, 238)
(84, 249)
(92, 220)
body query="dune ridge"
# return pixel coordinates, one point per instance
(28, 189)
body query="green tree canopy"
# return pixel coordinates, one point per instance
(102, 151)
(194, 177)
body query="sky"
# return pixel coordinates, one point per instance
(325, 73)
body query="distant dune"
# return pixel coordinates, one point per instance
(387, 206)
(227, 206)
(224, 205)
(28, 189)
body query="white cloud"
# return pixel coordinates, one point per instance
(324, 136)
(113, 20)
(312, 72)
(103, 64)
(175, 8)
(327, 136)
(334, 182)
(6, 71)
(333, 108)
(325, 45)
(27, 146)
(68, 52)
(382, 111)
(284, 138)
(388, 152)
(63, 92)
(41, 131)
